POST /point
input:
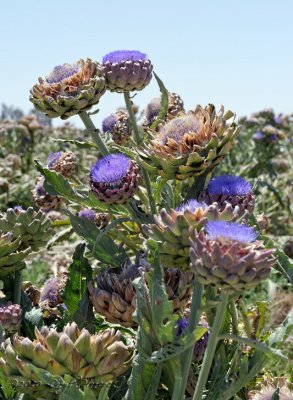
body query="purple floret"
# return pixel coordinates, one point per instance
(110, 169)
(53, 158)
(182, 325)
(191, 205)
(259, 135)
(229, 185)
(87, 213)
(18, 209)
(108, 124)
(178, 127)
(124, 55)
(51, 290)
(61, 72)
(230, 230)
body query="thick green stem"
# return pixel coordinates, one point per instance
(234, 316)
(211, 348)
(88, 123)
(17, 287)
(132, 119)
(149, 190)
(186, 358)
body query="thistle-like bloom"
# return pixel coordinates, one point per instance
(191, 144)
(63, 162)
(118, 126)
(233, 190)
(51, 291)
(175, 107)
(10, 317)
(113, 293)
(114, 178)
(100, 219)
(126, 70)
(267, 392)
(229, 256)
(69, 89)
(268, 134)
(43, 199)
(89, 359)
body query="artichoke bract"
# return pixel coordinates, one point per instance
(10, 317)
(69, 89)
(190, 145)
(172, 229)
(126, 70)
(11, 255)
(175, 107)
(90, 359)
(229, 256)
(43, 199)
(113, 293)
(33, 228)
(118, 126)
(65, 163)
(114, 178)
(230, 189)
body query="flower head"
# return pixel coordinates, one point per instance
(179, 127)
(87, 213)
(191, 205)
(108, 124)
(110, 169)
(258, 135)
(229, 185)
(61, 72)
(182, 325)
(53, 158)
(124, 55)
(230, 231)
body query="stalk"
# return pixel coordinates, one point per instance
(17, 287)
(233, 313)
(246, 322)
(187, 355)
(88, 123)
(211, 348)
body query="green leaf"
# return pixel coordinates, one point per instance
(281, 332)
(81, 145)
(262, 308)
(34, 318)
(164, 103)
(73, 392)
(6, 387)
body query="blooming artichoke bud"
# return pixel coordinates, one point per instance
(63, 162)
(114, 178)
(267, 393)
(113, 293)
(229, 256)
(33, 228)
(199, 346)
(126, 70)
(172, 230)
(118, 126)
(69, 89)
(43, 199)
(191, 144)
(10, 317)
(11, 255)
(100, 219)
(175, 107)
(89, 359)
(51, 291)
(230, 189)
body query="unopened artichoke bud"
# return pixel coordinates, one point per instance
(114, 178)
(190, 145)
(230, 257)
(100, 219)
(268, 390)
(31, 122)
(175, 107)
(10, 317)
(43, 199)
(126, 70)
(11, 255)
(113, 292)
(118, 126)
(33, 228)
(233, 190)
(63, 162)
(199, 346)
(89, 359)
(69, 89)
(172, 229)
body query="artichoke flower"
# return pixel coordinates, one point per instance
(65, 163)
(175, 107)
(190, 145)
(11, 256)
(199, 346)
(10, 317)
(126, 70)
(69, 89)
(114, 178)
(267, 393)
(100, 219)
(118, 126)
(33, 228)
(113, 293)
(43, 199)
(172, 230)
(230, 257)
(230, 189)
(90, 359)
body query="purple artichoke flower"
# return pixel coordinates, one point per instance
(191, 205)
(182, 325)
(87, 213)
(108, 124)
(229, 185)
(53, 158)
(118, 126)
(258, 135)
(65, 163)
(178, 127)
(10, 317)
(114, 178)
(100, 219)
(126, 70)
(228, 256)
(199, 346)
(61, 72)
(51, 291)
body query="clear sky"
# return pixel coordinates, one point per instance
(238, 53)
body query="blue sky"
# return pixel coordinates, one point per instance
(235, 53)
